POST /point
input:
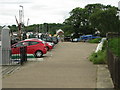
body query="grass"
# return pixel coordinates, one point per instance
(99, 57)
(97, 40)
(114, 46)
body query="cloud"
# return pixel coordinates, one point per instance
(40, 11)
(15, 2)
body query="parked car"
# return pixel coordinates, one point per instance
(67, 39)
(48, 39)
(55, 40)
(36, 47)
(51, 39)
(87, 37)
(49, 45)
(75, 40)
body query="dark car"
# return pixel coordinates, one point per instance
(55, 40)
(67, 38)
(51, 39)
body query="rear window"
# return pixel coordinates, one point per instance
(19, 44)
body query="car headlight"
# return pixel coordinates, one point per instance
(43, 42)
(50, 44)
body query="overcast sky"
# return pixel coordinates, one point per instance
(43, 11)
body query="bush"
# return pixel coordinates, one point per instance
(114, 46)
(97, 40)
(99, 57)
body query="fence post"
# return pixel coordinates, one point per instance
(23, 54)
(0, 48)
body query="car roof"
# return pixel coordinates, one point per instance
(86, 36)
(28, 40)
(33, 40)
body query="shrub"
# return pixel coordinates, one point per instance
(114, 46)
(97, 40)
(99, 57)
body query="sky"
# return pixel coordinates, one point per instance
(43, 11)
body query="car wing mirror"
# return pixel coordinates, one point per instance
(13, 47)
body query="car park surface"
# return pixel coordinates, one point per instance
(66, 66)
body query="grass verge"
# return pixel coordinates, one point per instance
(99, 57)
(97, 40)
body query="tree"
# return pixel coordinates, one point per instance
(93, 16)
(105, 20)
(79, 21)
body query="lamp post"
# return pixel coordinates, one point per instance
(28, 21)
(22, 14)
(21, 19)
(119, 9)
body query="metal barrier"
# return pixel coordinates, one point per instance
(14, 59)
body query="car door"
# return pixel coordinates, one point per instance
(16, 48)
(32, 47)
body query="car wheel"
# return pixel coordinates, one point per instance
(47, 48)
(38, 54)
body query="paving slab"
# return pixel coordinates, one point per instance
(104, 79)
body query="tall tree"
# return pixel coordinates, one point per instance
(106, 20)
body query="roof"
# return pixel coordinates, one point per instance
(60, 31)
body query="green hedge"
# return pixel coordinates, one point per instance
(97, 40)
(114, 45)
(100, 56)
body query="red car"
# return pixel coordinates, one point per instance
(36, 47)
(47, 44)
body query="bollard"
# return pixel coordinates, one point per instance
(5, 45)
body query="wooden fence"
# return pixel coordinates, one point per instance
(113, 62)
